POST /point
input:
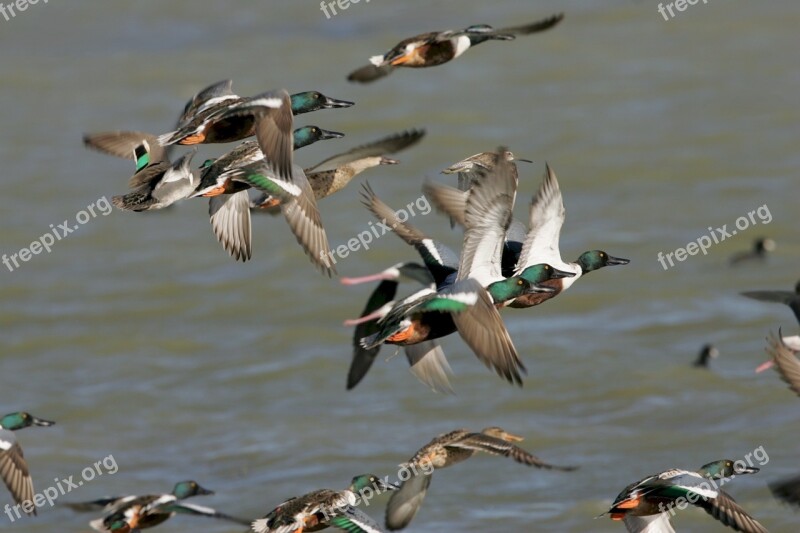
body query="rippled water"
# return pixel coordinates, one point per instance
(143, 340)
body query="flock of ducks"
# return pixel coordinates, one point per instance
(502, 263)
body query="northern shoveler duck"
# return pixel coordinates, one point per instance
(144, 512)
(324, 508)
(478, 277)
(439, 47)
(707, 353)
(207, 116)
(157, 183)
(426, 359)
(226, 189)
(13, 467)
(273, 133)
(466, 307)
(647, 505)
(474, 167)
(446, 450)
(333, 174)
(541, 242)
(761, 247)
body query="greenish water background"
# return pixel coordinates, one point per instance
(142, 339)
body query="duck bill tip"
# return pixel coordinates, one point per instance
(334, 103)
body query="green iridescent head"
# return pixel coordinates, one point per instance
(308, 101)
(725, 468)
(20, 420)
(543, 272)
(596, 259)
(363, 481)
(186, 489)
(310, 134)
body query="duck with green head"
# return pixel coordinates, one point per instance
(541, 242)
(144, 512)
(13, 467)
(648, 504)
(207, 119)
(225, 182)
(335, 173)
(325, 508)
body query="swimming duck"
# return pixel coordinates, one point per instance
(324, 508)
(446, 450)
(157, 183)
(229, 207)
(144, 512)
(541, 244)
(707, 353)
(207, 117)
(647, 505)
(13, 467)
(439, 47)
(426, 359)
(333, 174)
(761, 247)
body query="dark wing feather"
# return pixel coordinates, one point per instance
(404, 503)
(364, 357)
(303, 218)
(728, 512)
(370, 73)
(488, 444)
(123, 143)
(483, 330)
(387, 145)
(534, 27)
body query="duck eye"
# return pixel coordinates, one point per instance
(519, 282)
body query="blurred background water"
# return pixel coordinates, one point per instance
(143, 339)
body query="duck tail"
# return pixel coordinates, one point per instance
(169, 138)
(372, 341)
(138, 200)
(261, 525)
